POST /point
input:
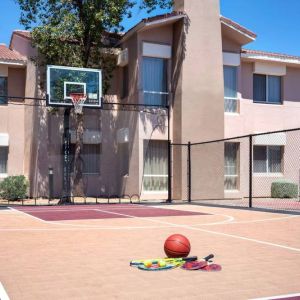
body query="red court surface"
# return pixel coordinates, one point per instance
(88, 257)
(101, 211)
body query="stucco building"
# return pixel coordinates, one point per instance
(193, 60)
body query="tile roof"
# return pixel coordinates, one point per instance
(238, 27)
(162, 17)
(153, 19)
(10, 55)
(271, 54)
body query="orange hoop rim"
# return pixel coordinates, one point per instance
(78, 100)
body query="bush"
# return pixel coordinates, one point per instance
(14, 187)
(284, 189)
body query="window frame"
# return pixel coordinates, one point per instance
(161, 176)
(72, 156)
(5, 102)
(125, 82)
(167, 93)
(267, 90)
(5, 174)
(237, 175)
(237, 95)
(268, 173)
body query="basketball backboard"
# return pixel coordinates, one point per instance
(63, 81)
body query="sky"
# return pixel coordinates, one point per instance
(276, 22)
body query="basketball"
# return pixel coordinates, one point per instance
(177, 245)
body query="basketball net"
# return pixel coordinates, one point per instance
(78, 100)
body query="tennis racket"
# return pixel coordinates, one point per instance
(211, 268)
(197, 265)
(167, 260)
(157, 267)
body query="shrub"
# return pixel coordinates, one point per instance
(284, 189)
(14, 187)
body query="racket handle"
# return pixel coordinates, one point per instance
(208, 257)
(190, 258)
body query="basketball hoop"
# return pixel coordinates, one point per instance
(78, 100)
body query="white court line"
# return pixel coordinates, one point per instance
(84, 228)
(22, 212)
(228, 221)
(97, 227)
(3, 294)
(263, 220)
(75, 209)
(215, 232)
(197, 229)
(278, 297)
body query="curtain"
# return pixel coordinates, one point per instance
(259, 88)
(274, 89)
(155, 80)
(91, 158)
(3, 159)
(260, 159)
(123, 151)
(3, 90)
(230, 88)
(230, 82)
(267, 159)
(231, 166)
(156, 166)
(274, 159)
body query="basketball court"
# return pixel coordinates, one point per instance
(83, 252)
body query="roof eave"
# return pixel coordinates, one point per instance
(245, 38)
(268, 58)
(10, 62)
(146, 25)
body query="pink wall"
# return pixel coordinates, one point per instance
(257, 117)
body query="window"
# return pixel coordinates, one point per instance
(231, 152)
(125, 82)
(230, 89)
(123, 150)
(267, 88)
(155, 81)
(267, 159)
(3, 160)
(90, 156)
(3, 90)
(156, 166)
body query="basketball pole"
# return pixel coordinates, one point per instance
(169, 200)
(66, 155)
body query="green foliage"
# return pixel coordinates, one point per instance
(14, 187)
(284, 189)
(75, 32)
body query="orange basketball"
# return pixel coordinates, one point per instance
(177, 245)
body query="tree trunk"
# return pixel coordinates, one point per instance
(78, 160)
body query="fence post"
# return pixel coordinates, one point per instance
(50, 182)
(189, 173)
(250, 169)
(169, 171)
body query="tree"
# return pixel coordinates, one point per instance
(77, 33)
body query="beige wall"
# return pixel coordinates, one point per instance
(228, 44)
(12, 119)
(198, 100)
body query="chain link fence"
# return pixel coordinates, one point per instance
(123, 156)
(259, 171)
